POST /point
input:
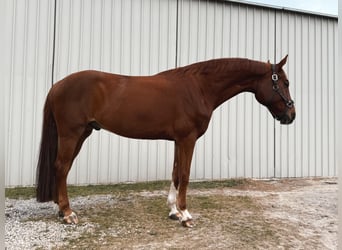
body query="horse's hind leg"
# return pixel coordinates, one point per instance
(68, 149)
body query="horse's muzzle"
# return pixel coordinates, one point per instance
(287, 118)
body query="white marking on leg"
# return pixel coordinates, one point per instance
(172, 200)
(186, 215)
(71, 218)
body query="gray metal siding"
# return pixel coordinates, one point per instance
(239, 140)
(126, 37)
(26, 74)
(308, 147)
(145, 37)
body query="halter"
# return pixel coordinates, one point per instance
(289, 103)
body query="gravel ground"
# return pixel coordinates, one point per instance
(306, 208)
(26, 227)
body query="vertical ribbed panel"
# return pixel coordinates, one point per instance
(124, 37)
(28, 37)
(145, 37)
(307, 148)
(239, 140)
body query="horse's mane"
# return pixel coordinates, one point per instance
(233, 65)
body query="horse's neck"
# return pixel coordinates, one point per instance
(224, 84)
(226, 90)
(221, 79)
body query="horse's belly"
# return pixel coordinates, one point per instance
(139, 126)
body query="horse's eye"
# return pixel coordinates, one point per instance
(287, 83)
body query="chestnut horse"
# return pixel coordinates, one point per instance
(173, 105)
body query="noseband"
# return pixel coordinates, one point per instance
(288, 102)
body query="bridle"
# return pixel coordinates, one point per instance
(288, 102)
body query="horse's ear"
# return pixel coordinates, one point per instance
(282, 62)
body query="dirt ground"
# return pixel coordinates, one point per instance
(258, 214)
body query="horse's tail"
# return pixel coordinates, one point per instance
(46, 181)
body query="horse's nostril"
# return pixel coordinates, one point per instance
(293, 115)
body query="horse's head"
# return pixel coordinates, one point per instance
(273, 92)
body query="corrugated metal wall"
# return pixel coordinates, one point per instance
(145, 37)
(240, 140)
(26, 76)
(308, 147)
(128, 37)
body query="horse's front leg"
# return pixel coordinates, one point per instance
(185, 151)
(173, 193)
(172, 203)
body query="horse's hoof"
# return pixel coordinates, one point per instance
(188, 223)
(176, 216)
(70, 219)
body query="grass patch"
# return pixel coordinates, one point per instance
(73, 191)
(20, 193)
(236, 222)
(217, 184)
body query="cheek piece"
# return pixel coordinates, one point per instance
(288, 102)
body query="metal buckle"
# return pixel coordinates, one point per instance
(289, 103)
(275, 77)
